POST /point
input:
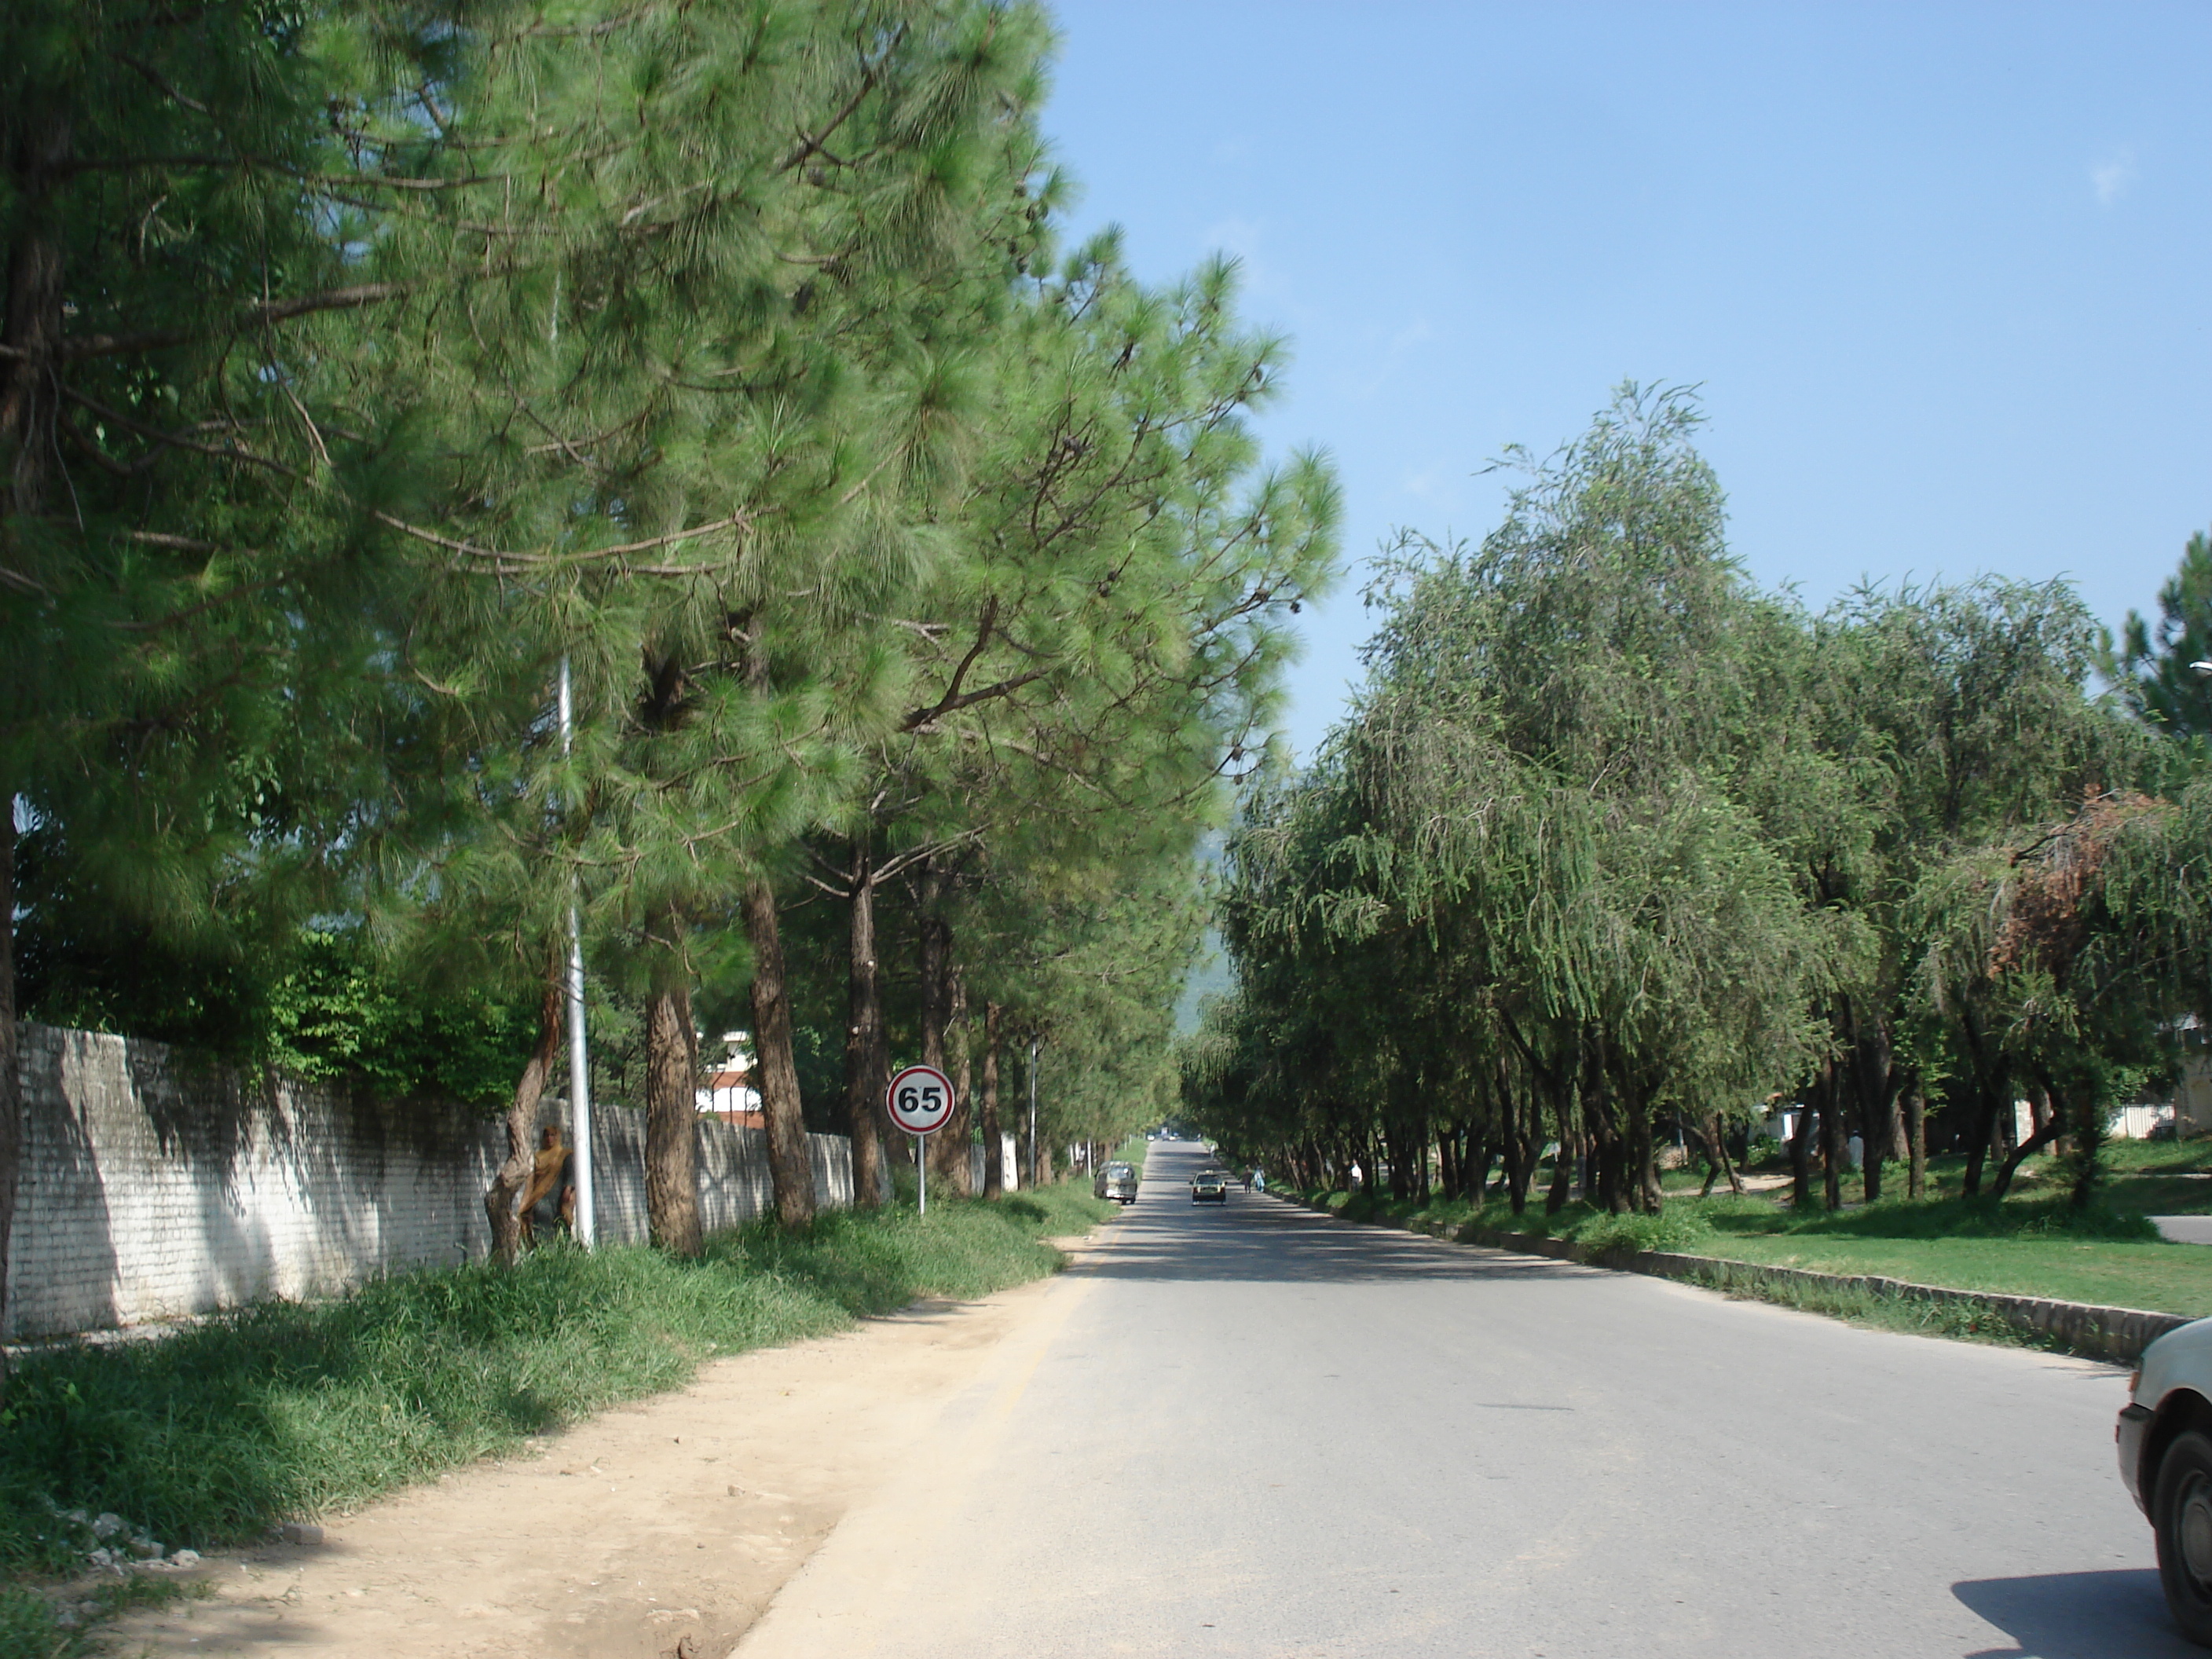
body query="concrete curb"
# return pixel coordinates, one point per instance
(2116, 1334)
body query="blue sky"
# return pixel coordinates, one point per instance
(1942, 271)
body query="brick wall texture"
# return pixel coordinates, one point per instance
(155, 1186)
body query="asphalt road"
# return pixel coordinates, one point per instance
(1253, 1430)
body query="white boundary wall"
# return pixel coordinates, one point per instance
(154, 1186)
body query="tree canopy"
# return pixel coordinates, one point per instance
(1613, 843)
(376, 381)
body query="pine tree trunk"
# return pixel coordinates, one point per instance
(949, 1148)
(867, 1054)
(994, 1170)
(672, 1119)
(934, 952)
(513, 1175)
(28, 400)
(790, 1171)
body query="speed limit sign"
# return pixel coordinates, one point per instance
(921, 1100)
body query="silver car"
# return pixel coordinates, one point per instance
(1117, 1182)
(2164, 1433)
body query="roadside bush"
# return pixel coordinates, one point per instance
(1677, 1227)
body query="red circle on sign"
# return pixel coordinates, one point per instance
(919, 1100)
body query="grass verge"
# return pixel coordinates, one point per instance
(1132, 1151)
(284, 1410)
(1914, 1315)
(2031, 1244)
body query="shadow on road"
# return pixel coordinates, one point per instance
(2077, 1615)
(1262, 1239)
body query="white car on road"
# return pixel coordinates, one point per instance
(2164, 1433)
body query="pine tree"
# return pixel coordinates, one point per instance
(2154, 669)
(1104, 638)
(684, 300)
(188, 633)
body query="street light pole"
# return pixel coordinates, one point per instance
(579, 1058)
(1033, 1139)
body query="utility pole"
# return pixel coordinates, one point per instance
(579, 1058)
(1033, 1139)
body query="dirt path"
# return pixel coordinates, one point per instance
(656, 1530)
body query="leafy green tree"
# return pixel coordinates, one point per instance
(1611, 838)
(2151, 669)
(1543, 775)
(2067, 981)
(1959, 712)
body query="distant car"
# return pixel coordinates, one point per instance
(1117, 1182)
(2164, 1434)
(1210, 1185)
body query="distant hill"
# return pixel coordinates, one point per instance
(1211, 975)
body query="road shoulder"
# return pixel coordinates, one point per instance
(663, 1528)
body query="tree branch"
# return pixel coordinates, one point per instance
(507, 559)
(922, 717)
(280, 310)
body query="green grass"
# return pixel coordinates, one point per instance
(29, 1625)
(2033, 1244)
(1916, 1316)
(2165, 1278)
(2150, 1177)
(282, 1410)
(2161, 1177)
(1132, 1151)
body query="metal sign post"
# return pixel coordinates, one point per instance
(919, 1100)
